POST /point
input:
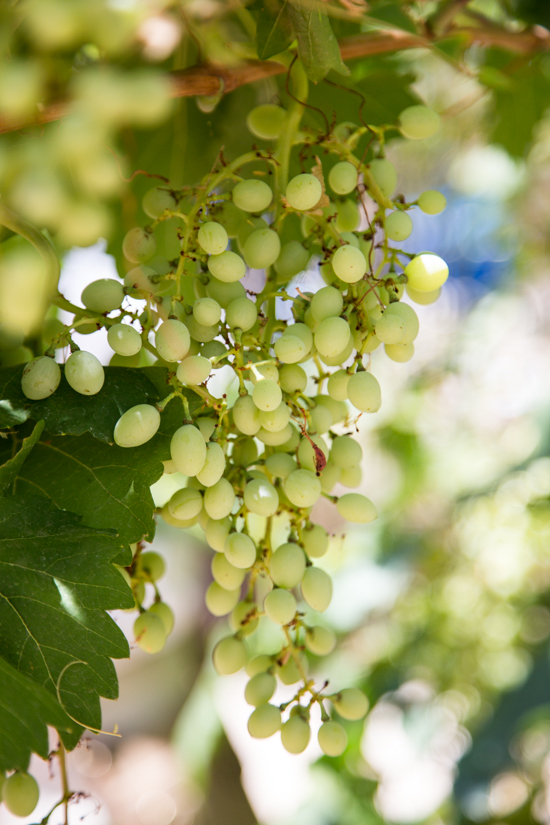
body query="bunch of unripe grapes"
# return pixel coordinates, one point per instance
(286, 441)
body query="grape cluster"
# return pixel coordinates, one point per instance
(286, 442)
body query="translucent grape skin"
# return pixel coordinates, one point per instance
(252, 195)
(266, 121)
(149, 632)
(295, 734)
(280, 606)
(356, 508)
(138, 245)
(343, 178)
(229, 655)
(260, 689)
(302, 488)
(40, 378)
(264, 721)
(349, 263)
(287, 565)
(124, 339)
(332, 738)
(84, 373)
(20, 793)
(426, 272)
(304, 192)
(419, 122)
(188, 450)
(103, 296)
(212, 237)
(432, 202)
(316, 586)
(137, 425)
(364, 392)
(351, 704)
(164, 612)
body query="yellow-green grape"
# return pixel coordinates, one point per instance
(246, 415)
(124, 339)
(158, 200)
(315, 541)
(432, 202)
(212, 350)
(346, 451)
(321, 419)
(207, 426)
(306, 453)
(348, 216)
(304, 192)
(84, 373)
(352, 476)
(384, 174)
(419, 122)
(356, 508)
(219, 499)
(349, 263)
(291, 445)
(103, 295)
(398, 226)
(240, 550)
(245, 452)
(351, 704)
(272, 439)
(252, 195)
(409, 318)
(293, 258)
(264, 721)
(330, 476)
(137, 426)
(338, 409)
(280, 465)
(188, 450)
(340, 357)
(261, 497)
(293, 378)
(216, 532)
(152, 565)
(214, 465)
(399, 352)
(266, 121)
(426, 272)
(139, 245)
(337, 385)
(259, 664)
(229, 655)
(193, 370)
(289, 673)
(212, 237)
(343, 178)
(260, 689)
(227, 267)
(165, 614)
(332, 336)
(174, 522)
(320, 640)
(221, 601)
(316, 587)
(244, 618)
(224, 292)
(241, 313)
(138, 280)
(295, 734)
(40, 378)
(262, 248)
(207, 311)
(351, 238)
(149, 632)
(327, 302)
(332, 738)
(280, 606)
(302, 488)
(172, 340)
(200, 333)
(267, 395)
(423, 298)
(264, 371)
(289, 348)
(277, 419)
(20, 793)
(287, 565)
(364, 392)
(247, 227)
(303, 332)
(390, 328)
(185, 504)
(371, 343)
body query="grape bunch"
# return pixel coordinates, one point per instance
(255, 470)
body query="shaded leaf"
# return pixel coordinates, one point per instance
(518, 109)
(9, 470)
(273, 31)
(317, 45)
(13, 409)
(394, 14)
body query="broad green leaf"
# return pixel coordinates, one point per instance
(394, 14)
(56, 582)
(317, 45)
(25, 710)
(273, 31)
(518, 109)
(9, 470)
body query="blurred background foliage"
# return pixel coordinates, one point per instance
(443, 607)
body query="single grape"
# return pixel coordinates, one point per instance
(304, 192)
(423, 298)
(224, 292)
(261, 497)
(156, 201)
(399, 352)
(20, 793)
(351, 476)
(214, 465)
(124, 339)
(316, 587)
(84, 373)
(356, 508)
(227, 267)
(292, 378)
(149, 632)
(337, 385)
(200, 333)
(188, 450)
(151, 565)
(332, 336)
(244, 618)
(220, 601)
(137, 425)
(320, 640)
(103, 296)
(264, 371)
(226, 574)
(185, 504)
(264, 721)
(247, 227)
(259, 664)
(245, 452)
(287, 565)
(326, 303)
(332, 738)
(338, 409)
(349, 263)
(213, 238)
(289, 349)
(172, 340)
(277, 419)
(364, 392)
(213, 350)
(351, 704)
(289, 673)
(139, 245)
(242, 313)
(321, 419)
(343, 178)
(346, 451)
(260, 688)
(419, 122)
(293, 258)
(262, 248)
(193, 370)
(174, 522)
(207, 311)
(426, 272)
(267, 395)
(384, 174)
(390, 328)
(398, 226)
(303, 332)
(229, 655)
(276, 439)
(302, 488)
(340, 357)
(216, 533)
(409, 318)
(40, 378)
(246, 415)
(280, 606)
(315, 541)
(266, 121)
(295, 734)
(432, 202)
(348, 216)
(252, 195)
(240, 550)
(165, 614)
(219, 499)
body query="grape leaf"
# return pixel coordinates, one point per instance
(25, 710)
(273, 31)
(317, 45)
(9, 470)
(13, 410)
(394, 14)
(56, 582)
(520, 107)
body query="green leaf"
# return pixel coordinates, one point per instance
(317, 45)
(273, 31)
(393, 14)
(13, 410)
(518, 109)
(25, 710)
(9, 470)
(56, 582)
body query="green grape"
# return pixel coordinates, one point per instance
(423, 298)
(292, 378)
(346, 451)
(321, 419)
(266, 121)
(343, 178)
(213, 350)
(246, 415)
(303, 332)
(276, 439)
(252, 195)
(338, 409)
(332, 336)
(260, 689)
(432, 202)
(332, 738)
(277, 419)
(220, 601)
(84, 373)
(289, 349)
(304, 192)
(409, 318)
(262, 248)
(320, 640)
(207, 312)
(398, 226)
(267, 395)
(315, 541)
(185, 504)
(259, 664)
(227, 267)
(152, 566)
(165, 614)
(230, 216)
(390, 328)
(216, 532)
(280, 465)
(200, 333)
(193, 370)
(245, 452)
(229, 655)
(356, 508)
(349, 263)
(124, 339)
(330, 476)
(306, 453)
(103, 296)
(351, 704)
(426, 272)
(264, 721)
(157, 200)
(348, 217)
(261, 497)
(226, 574)
(341, 357)
(137, 425)
(139, 245)
(225, 292)
(219, 499)
(351, 476)
(295, 734)
(20, 793)
(172, 340)
(206, 426)
(388, 293)
(214, 465)
(40, 378)
(240, 550)
(364, 392)
(287, 565)
(213, 238)
(399, 352)
(265, 371)
(337, 385)
(241, 313)
(149, 632)
(174, 522)
(289, 673)
(302, 488)
(326, 303)
(188, 450)
(316, 587)
(247, 227)
(280, 606)
(292, 259)
(350, 238)
(419, 122)
(291, 445)
(384, 174)
(244, 618)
